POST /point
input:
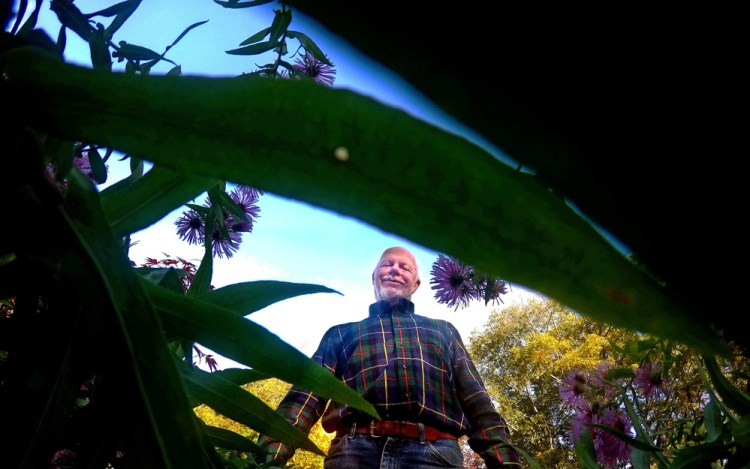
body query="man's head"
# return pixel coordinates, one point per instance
(395, 275)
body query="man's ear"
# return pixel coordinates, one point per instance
(417, 284)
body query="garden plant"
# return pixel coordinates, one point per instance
(98, 353)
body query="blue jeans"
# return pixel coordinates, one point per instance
(361, 451)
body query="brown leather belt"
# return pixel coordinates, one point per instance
(402, 429)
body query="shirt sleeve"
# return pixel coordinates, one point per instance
(489, 436)
(300, 407)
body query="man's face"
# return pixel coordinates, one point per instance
(395, 275)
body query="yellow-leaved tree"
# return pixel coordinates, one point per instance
(271, 391)
(525, 352)
(522, 353)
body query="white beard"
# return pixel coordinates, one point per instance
(387, 293)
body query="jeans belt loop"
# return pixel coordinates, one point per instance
(421, 433)
(372, 429)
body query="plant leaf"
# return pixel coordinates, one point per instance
(123, 313)
(698, 456)
(712, 421)
(585, 451)
(72, 18)
(256, 37)
(166, 277)
(640, 459)
(520, 231)
(733, 397)
(635, 443)
(131, 205)
(254, 49)
(241, 376)
(135, 52)
(243, 407)
(122, 10)
(280, 23)
(248, 297)
(309, 46)
(244, 341)
(202, 280)
(184, 33)
(741, 431)
(238, 4)
(228, 439)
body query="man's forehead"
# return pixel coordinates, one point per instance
(398, 254)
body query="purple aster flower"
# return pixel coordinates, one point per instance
(598, 378)
(240, 226)
(223, 246)
(63, 458)
(610, 449)
(191, 224)
(51, 175)
(80, 161)
(451, 281)
(190, 227)
(583, 418)
(245, 197)
(489, 289)
(315, 69)
(650, 380)
(83, 163)
(573, 388)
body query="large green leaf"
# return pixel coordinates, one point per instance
(584, 447)
(248, 297)
(397, 173)
(592, 108)
(699, 455)
(243, 407)
(135, 203)
(228, 439)
(734, 398)
(246, 342)
(741, 432)
(116, 300)
(241, 375)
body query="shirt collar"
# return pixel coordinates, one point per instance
(384, 307)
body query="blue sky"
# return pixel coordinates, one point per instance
(291, 241)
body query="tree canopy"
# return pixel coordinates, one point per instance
(525, 352)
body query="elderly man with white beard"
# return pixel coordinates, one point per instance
(417, 374)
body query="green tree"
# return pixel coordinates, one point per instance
(525, 351)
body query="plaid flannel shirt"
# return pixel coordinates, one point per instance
(411, 368)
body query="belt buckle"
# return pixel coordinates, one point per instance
(372, 429)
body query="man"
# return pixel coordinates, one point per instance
(416, 373)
